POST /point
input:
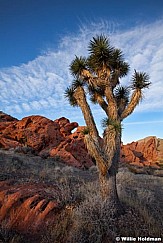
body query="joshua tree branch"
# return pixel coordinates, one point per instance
(96, 152)
(112, 105)
(102, 103)
(80, 97)
(109, 142)
(135, 99)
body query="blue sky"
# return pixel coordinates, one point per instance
(39, 39)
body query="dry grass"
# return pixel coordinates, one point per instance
(86, 218)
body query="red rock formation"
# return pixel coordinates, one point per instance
(6, 118)
(73, 151)
(27, 207)
(65, 126)
(141, 153)
(47, 137)
(35, 131)
(55, 138)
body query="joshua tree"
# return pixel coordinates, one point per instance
(98, 77)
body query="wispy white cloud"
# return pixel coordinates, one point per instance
(39, 85)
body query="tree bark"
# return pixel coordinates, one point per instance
(135, 99)
(85, 108)
(95, 150)
(108, 185)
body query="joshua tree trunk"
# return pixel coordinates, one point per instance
(107, 156)
(108, 183)
(108, 187)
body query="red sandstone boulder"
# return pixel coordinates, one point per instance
(5, 121)
(73, 151)
(6, 118)
(46, 137)
(34, 131)
(28, 207)
(142, 153)
(65, 126)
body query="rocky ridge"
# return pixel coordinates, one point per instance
(48, 138)
(144, 152)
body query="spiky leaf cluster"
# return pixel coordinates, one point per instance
(69, 95)
(77, 83)
(100, 52)
(121, 94)
(140, 80)
(70, 91)
(118, 63)
(109, 122)
(78, 65)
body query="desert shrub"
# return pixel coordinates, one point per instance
(142, 193)
(141, 170)
(9, 236)
(144, 222)
(71, 194)
(17, 163)
(93, 169)
(158, 172)
(67, 169)
(93, 221)
(58, 232)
